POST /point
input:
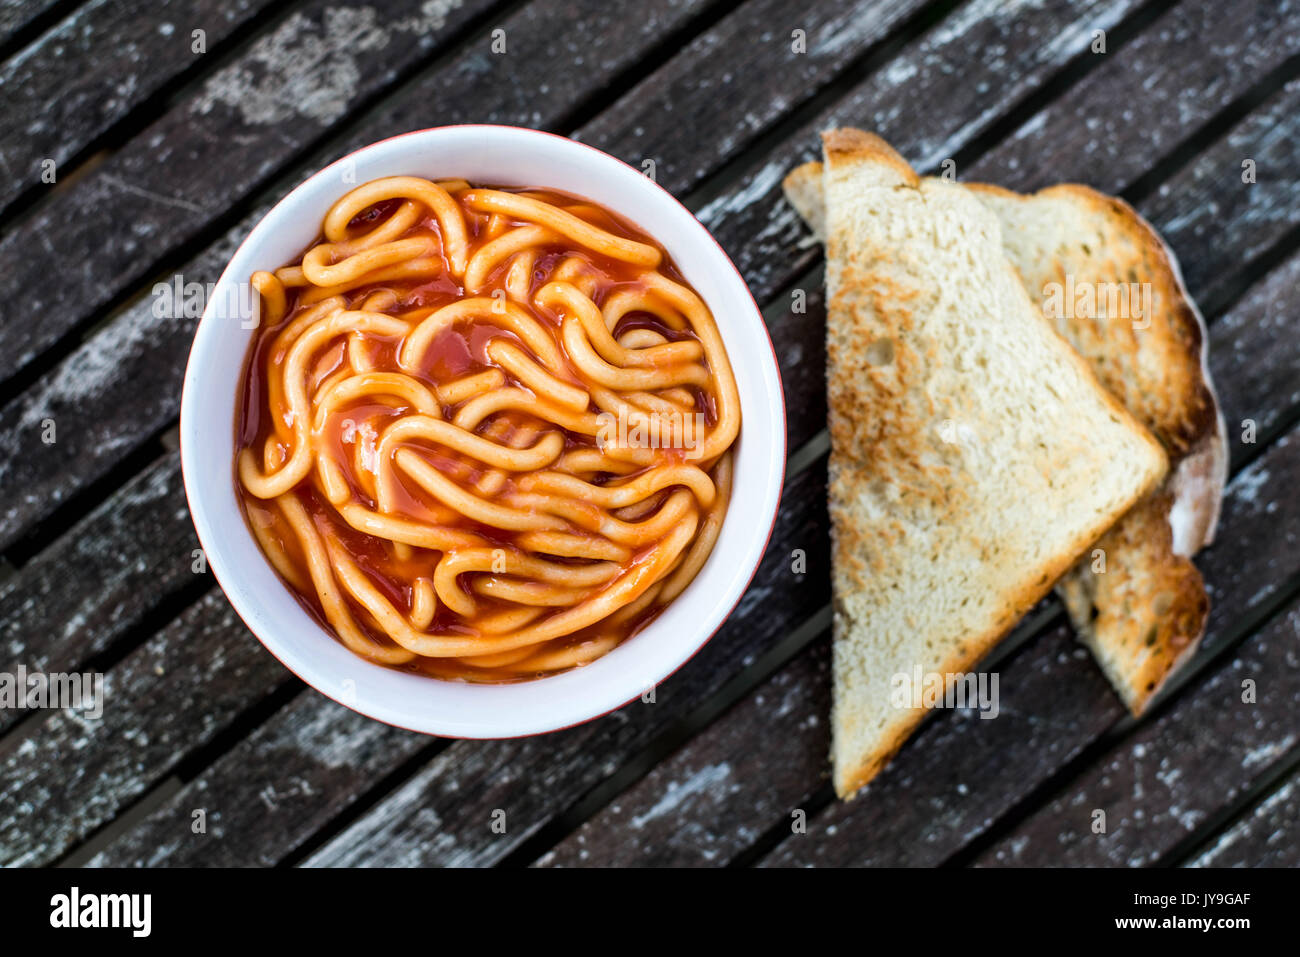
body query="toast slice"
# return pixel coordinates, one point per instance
(974, 454)
(1136, 601)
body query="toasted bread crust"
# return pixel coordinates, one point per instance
(1146, 612)
(803, 188)
(879, 436)
(1153, 543)
(1137, 644)
(848, 145)
(1183, 412)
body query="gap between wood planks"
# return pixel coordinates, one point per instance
(38, 22)
(1045, 617)
(68, 514)
(65, 515)
(1278, 785)
(1204, 137)
(131, 123)
(155, 797)
(456, 42)
(868, 62)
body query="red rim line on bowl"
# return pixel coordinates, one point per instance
(781, 438)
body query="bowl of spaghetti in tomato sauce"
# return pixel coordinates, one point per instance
(482, 432)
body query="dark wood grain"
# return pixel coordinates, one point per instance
(933, 99)
(17, 15)
(150, 349)
(272, 792)
(107, 398)
(92, 69)
(1213, 220)
(487, 768)
(126, 378)
(1256, 371)
(101, 578)
(65, 775)
(798, 329)
(736, 79)
(1145, 98)
(1171, 775)
(715, 797)
(188, 167)
(1263, 838)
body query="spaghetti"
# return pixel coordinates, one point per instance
(487, 433)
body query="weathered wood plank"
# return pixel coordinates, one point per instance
(983, 57)
(1256, 370)
(412, 799)
(736, 79)
(330, 769)
(100, 579)
(959, 775)
(92, 69)
(16, 15)
(1264, 838)
(444, 814)
(126, 378)
(65, 775)
(1145, 98)
(112, 394)
(1164, 780)
(714, 798)
(154, 347)
(1213, 220)
(200, 158)
(272, 792)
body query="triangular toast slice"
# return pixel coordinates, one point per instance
(974, 455)
(1112, 288)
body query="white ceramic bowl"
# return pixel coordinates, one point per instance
(507, 156)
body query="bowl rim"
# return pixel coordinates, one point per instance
(216, 560)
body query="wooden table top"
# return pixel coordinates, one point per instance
(141, 141)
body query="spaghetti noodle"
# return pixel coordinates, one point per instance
(487, 433)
